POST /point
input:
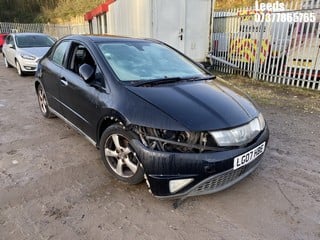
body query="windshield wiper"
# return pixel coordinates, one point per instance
(211, 77)
(158, 81)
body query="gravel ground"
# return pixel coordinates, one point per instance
(53, 184)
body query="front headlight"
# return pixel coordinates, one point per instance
(240, 135)
(29, 57)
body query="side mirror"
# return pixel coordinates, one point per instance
(201, 65)
(10, 45)
(86, 71)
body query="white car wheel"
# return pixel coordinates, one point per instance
(18, 66)
(6, 64)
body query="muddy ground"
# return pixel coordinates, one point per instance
(54, 186)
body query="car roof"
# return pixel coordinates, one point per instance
(106, 38)
(28, 34)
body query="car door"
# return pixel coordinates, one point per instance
(50, 70)
(80, 99)
(171, 22)
(10, 51)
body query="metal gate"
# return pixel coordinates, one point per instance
(281, 46)
(54, 30)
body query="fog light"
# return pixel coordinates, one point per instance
(29, 68)
(176, 185)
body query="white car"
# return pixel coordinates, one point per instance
(23, 50)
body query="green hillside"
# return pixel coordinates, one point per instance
(28, 11)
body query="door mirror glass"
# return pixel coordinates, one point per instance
(86, 71)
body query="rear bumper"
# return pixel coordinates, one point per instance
(211, 172)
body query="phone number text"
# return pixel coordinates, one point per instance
(285, 17)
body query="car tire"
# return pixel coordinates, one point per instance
(19, 70)
(6, 64)
(119, 157)
(43, 102)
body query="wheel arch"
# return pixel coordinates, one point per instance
(36, 85)
(109, 119)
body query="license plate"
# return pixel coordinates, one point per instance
(248, 157)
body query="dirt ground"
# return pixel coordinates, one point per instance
(54, 186)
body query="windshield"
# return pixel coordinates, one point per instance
(140, 61)
(29, 41)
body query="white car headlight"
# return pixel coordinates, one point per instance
(29, 57)
(240, 135)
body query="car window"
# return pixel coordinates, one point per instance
(9, 40)
(81, 55)
(60, 52)
(98, 77)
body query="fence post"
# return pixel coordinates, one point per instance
(259, 43)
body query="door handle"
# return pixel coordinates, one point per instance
(181, 34)
(63, 81)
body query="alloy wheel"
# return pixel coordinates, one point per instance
(121, 159)
(19, 68)
(42, 100)
(6, 64)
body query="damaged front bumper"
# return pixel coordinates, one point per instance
(208, 172)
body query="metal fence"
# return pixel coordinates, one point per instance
(54, 30)
(281, 45)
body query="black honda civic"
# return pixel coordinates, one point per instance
(153, 113)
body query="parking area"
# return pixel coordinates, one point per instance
(53, 184)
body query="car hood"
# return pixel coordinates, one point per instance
(199, 106)
(37, 52)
